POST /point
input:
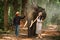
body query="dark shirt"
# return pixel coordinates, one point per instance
(16, 20)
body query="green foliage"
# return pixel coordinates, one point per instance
(55, 19)
(13, 7)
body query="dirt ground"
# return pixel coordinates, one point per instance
(48, 35)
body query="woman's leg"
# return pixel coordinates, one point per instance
(40, 36)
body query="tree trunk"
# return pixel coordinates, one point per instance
(24, 12)
(5, 14)
(15, 6)
(24, 2)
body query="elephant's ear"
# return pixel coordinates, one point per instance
(44, 15)
(37, 10)
(43, 12)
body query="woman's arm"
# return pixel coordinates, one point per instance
(42, 20)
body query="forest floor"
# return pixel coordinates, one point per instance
(47, 35)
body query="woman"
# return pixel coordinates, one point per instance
(38, 21)
(39, 24)
(33, 23)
